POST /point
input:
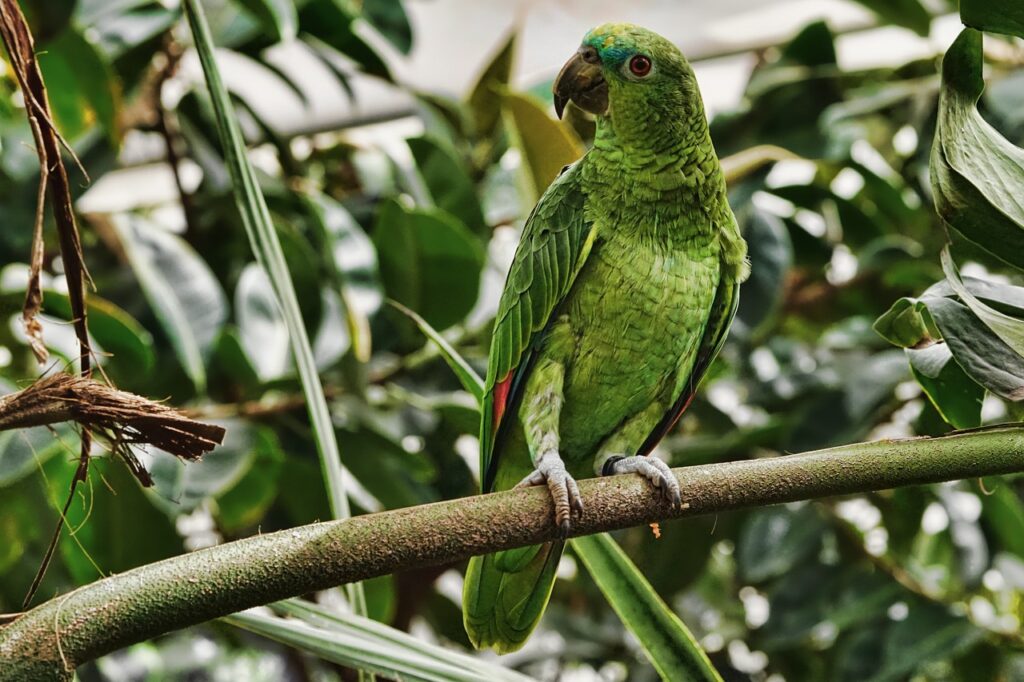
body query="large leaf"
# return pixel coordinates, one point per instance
(998, 16)
(907, 13)
(263, 240)
(366, 645)
(546, 144)
(82, 87)
(664, 638)
(976, 173)
(484, 98)
(428, 262)
(448, 183)
(116, 526)
(982, 354)
(389, 17)
(261, 325)
(279, 17)
(180, 288)
(335, 23)
(776, 540)
(352, 261)
(1009, 329)
(183, 486)
(956, 396)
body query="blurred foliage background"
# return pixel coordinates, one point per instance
(916, 583)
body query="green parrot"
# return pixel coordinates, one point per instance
(620, 296)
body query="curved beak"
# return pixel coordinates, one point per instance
(581, 81)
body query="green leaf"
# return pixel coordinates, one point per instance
(352, 261)
(428, 262)
(1003, 512)
(975, 172)
(981, 353)
(184, 485)
(82, 87)
(907, 13)
(367, 645)
(266, 246)
(180, 288)
(955, 395)
(771, 257)
(546, 144)
(262, 329)
(243, 504)
(25, 450)
(1007, 328)
(118, 333)
(389, 17)
(775, 540)
(675, 653)
(118, 527)
(448, 183)
(906, 324)
(278, 17)
(997, 16)
(484, 98)
(334, 23)
(469, 379)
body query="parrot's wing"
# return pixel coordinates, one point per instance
(723, 309)
(555, 243)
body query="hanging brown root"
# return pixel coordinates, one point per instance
(123, 418)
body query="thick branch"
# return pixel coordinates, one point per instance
(47, 642)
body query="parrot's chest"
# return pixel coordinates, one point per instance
(638, 313)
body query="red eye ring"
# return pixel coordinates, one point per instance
(640, 65)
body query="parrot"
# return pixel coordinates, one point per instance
(620, 295)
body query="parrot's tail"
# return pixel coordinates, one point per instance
(505, 594)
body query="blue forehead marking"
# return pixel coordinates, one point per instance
(606, 47)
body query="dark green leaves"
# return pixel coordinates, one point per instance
(448, 183)
(976, 173)
(546, 144)
(429, 262)
(908, 13)
(277, 16)
(998, 16)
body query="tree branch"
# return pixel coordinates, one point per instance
(49, 641)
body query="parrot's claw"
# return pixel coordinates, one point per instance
(654, 470)
(564, 491)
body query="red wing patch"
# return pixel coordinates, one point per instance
(501, 390)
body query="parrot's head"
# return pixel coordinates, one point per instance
(630, 76)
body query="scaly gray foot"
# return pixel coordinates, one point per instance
(651, 468)
(564, 491)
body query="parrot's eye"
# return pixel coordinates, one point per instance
(640, 65)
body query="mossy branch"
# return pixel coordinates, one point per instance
(50, 640)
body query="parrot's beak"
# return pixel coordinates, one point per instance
(581, 81)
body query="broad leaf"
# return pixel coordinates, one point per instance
(484, 98)
(976, 173)
(278, 17)
(1009, 329)
(180, 288)
(955, 395)
(448, 183)
(998, 16)
(546, 144)
(428, 262)
(389, 17)
(262, 329)
(907, 13)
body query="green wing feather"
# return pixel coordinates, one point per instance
(555, 243)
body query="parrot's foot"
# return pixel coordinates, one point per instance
(564, 491)
(651, 468)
